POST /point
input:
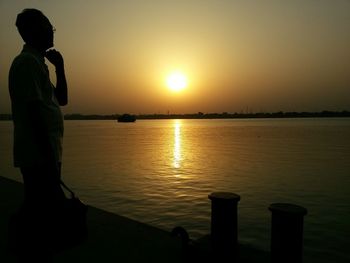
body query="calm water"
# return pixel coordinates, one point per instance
(160, 172)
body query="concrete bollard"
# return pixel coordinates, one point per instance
(223, 235)
(287, 233)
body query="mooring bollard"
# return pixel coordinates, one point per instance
(224, 225)
(287, 233)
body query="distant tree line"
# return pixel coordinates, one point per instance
(77, 116)
(226, 115)
(201, 115)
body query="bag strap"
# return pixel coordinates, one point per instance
(67, 188)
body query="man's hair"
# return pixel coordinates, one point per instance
(28, 21)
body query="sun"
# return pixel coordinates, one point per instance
(176, 81)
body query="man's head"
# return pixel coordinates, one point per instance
(35, 29)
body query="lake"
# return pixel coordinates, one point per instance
(160, 172)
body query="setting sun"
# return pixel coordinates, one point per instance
(176, 81)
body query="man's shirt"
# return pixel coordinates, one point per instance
(29, 84)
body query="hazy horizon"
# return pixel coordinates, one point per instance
(263, 56)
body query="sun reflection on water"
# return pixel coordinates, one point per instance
(177, 144)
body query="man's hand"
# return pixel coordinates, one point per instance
(55, 58)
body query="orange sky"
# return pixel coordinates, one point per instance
(260, 55)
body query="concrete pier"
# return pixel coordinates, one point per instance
(112, 238)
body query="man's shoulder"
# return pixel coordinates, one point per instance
(25, 58)
(27, 63)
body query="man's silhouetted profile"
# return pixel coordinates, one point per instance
(38, 126)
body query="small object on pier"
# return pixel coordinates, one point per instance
(182, 233)
(190, 251)
(224, 237)
(287, 232)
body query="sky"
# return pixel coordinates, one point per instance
(237, 56)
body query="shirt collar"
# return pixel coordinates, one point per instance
(33, 51)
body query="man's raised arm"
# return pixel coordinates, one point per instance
(61, 86)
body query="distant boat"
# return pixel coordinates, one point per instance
(127, 118)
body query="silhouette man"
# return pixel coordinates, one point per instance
(38, 128)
